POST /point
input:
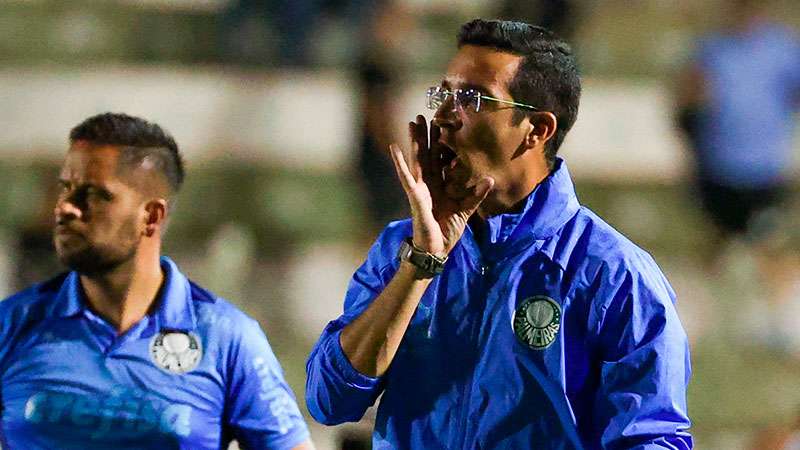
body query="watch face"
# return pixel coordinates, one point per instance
(176, 351)
(405, 250)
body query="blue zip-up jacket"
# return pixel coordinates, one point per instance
(557, 332)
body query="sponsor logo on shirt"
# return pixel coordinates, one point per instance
(536, 321)
(124, 413)
(280, 404)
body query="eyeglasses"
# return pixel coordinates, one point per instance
(468, 99)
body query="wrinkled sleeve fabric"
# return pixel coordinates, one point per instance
(335, 391)
(645, 368)
(262, 412)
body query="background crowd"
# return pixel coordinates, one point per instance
(284, 110)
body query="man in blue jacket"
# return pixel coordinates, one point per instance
(503, 314)
(124, 352)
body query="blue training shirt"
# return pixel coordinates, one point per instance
(752, 82)
(195, 374)
(556, 332)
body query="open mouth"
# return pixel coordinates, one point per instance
(448, 156)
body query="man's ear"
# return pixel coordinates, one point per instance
(155, 216)
(542, 128)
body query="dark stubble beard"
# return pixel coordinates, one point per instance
(99, 259)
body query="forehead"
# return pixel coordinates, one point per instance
(88, 162)
(482, 66)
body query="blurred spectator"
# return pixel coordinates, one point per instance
(36, 259)
(556, 15)
(786, 437)
(282, 32)
(736, 103)
(378, 68)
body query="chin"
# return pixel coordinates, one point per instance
(89, 261)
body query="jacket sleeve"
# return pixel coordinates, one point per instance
(335, 391)
(645, 368)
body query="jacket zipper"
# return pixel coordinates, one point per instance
(483, 271)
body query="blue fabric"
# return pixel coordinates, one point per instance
(752, 88)
(67, 381)
(614, 378)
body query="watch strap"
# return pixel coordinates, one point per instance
(428, 265)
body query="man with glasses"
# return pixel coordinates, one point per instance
(503, 314)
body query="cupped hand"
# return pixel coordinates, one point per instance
(438, 219)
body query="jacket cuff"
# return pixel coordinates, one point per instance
(346, 371)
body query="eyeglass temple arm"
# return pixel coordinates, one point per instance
(509, 102)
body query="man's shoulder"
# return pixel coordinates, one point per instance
(26, 308)
(600, 244)
(215, 311)
(397, 230)
(388, 242)
(33, 297)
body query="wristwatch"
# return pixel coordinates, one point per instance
(428, 265)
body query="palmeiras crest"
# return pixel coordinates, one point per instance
(537, 321)
(176, 351)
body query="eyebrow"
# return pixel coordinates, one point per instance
(64, 181)
(482, 89)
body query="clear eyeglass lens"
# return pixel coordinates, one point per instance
(436, 96)
(468, 99)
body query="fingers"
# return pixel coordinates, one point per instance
(479, 193)
(434, 179)
(421, 128)
(423, 154)
(412, 159)
(400, 166)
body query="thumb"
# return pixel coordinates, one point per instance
(481, 190)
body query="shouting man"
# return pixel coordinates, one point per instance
(503, 314)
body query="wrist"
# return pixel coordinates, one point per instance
(439, 250)
(427, 264)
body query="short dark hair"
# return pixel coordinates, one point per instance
(138, 140)
(547, 77)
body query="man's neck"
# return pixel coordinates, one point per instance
(126, 294)
(510, 197)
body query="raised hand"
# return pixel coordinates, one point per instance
(439, 216)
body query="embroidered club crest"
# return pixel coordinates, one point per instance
(536, 321)
(176, 351)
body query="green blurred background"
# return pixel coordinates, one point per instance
(267, 100)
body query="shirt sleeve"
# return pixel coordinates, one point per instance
(645, 368)
(335, 391)
(262, 412)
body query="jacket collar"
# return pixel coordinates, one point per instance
(547, 209)
(175, 308)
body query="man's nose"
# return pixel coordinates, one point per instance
(65, 211)
(446, 116)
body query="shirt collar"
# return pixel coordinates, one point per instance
(175, 310)
(547, 209)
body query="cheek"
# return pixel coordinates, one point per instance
(116, 225)
(484, 142)
(484, 137)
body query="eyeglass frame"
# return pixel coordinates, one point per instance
(434, 90)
